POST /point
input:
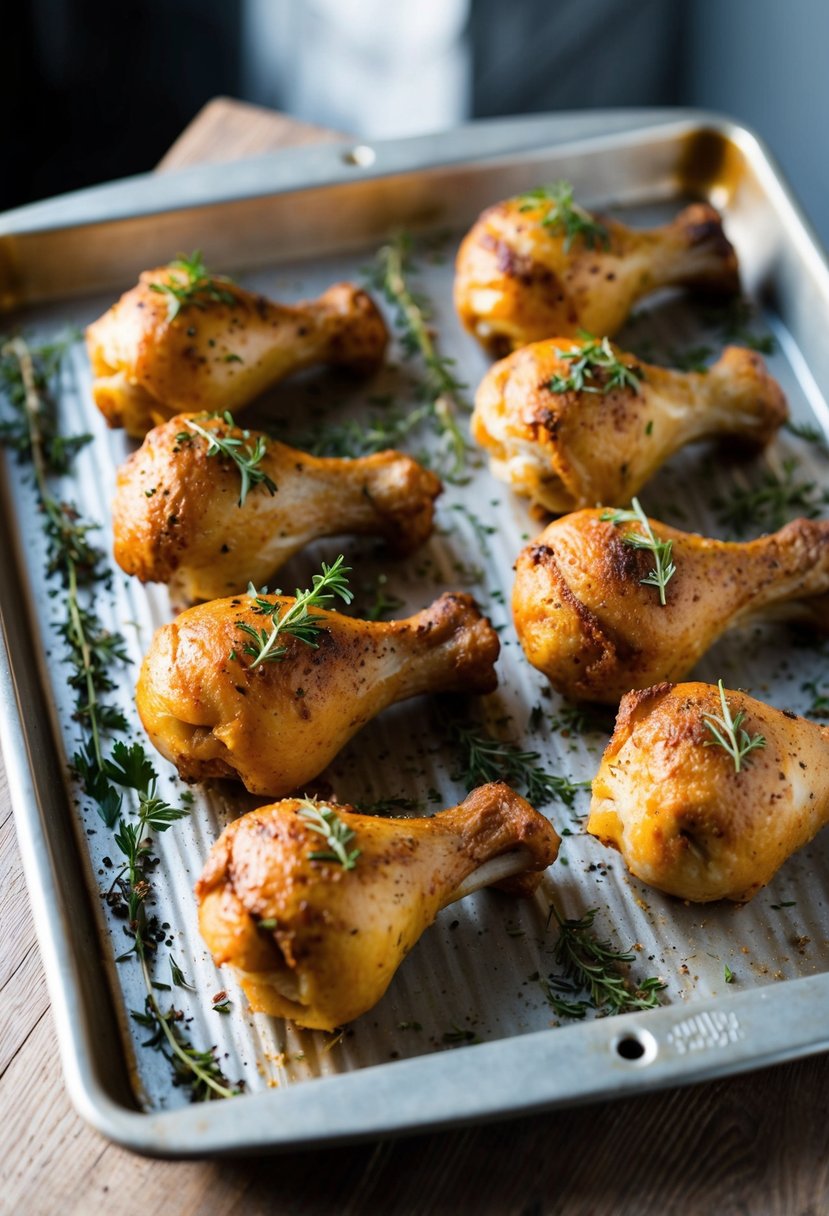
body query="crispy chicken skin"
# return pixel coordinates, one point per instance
(681, 816)
(219, 355)
(578, 448)
(516, 282)
(587, 621)
(335, 937)
(177, 519)
(276, 726)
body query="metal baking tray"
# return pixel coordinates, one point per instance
(290, 225)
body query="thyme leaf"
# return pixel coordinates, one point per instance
(595, 368)
(768, 504)
(26, 374)
(564, 215)
(481, 758)
(351, 439)
(233, 447)
(809, 433)
(735, 321)
(662, 550)
(296, 619)
(443, 393)
(730, 734)
(191, 284)
(325, 821)
(592, 966)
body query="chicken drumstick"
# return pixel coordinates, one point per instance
(215, 712)
(177, 517)
(318, 940)
(574, 423)
(220, 347)
(586, 618)
(521, 276)
(685, 818)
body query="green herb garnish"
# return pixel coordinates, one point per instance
(444, 394)
(590, 965)
(351, 439)
(383, 603)
(809, 434)
(295, 620)
(178, 976)
(458, 1035)
(735, 320)
(767, 505)
(662, 550)
(388, 806)
(483, 758)
(325, 821)
(730, 734)
(26, 374)
(564, 215)
(246, 458)
(820, 700)
(595, 368)
(191, 283)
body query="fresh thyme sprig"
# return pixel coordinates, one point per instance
(382, 603)
(819, 707)
(735, 321)
(595, 368)
(198, 1071)
(730, 734)
(234, 447)
(295, 620)
(92, 651)
(564, 215)
(352, 439)
(388, 806)
(591, 967)
(443, 392)
(325, 821)
(191, 284)
(768, 504)
(35, 388)
(481, 758)
(809, 433)
(662, 550)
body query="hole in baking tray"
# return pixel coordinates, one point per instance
(636, 1047)
(361, 155)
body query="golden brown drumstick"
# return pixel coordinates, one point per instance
(318, 941)
(570, 448)
(670, 798)
(519, 279)
(275, 726)
(177, 517)
(222, 349)
(586, 619)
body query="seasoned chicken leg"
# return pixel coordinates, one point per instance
(317, 941)
(519, 279)
(177, 518)
(276, 726)
(671, 800)
(588, 621)
(575, 448)
(222, 348)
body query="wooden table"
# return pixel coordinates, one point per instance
(757, 1143)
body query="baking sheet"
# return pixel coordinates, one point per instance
(474, 973)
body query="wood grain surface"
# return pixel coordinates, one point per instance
(753, 1144)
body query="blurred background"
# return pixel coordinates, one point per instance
(100, 90)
